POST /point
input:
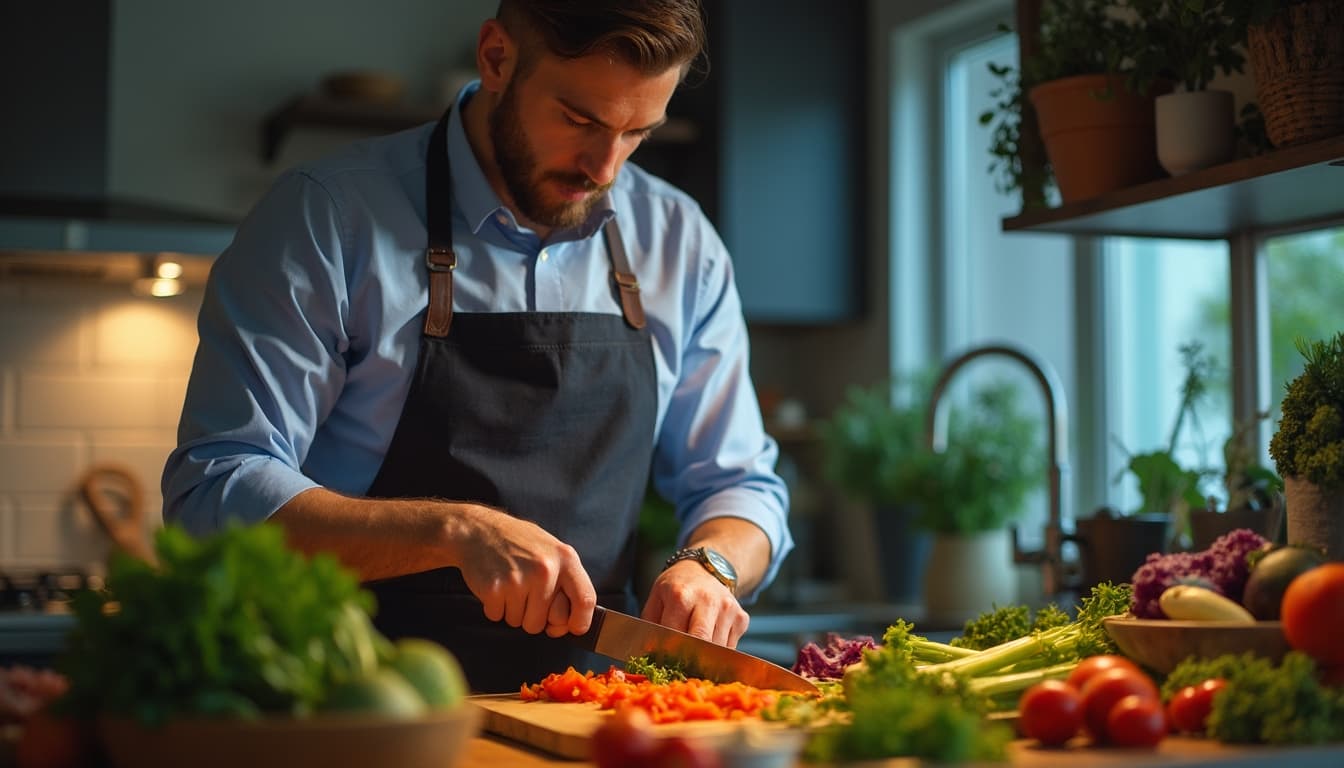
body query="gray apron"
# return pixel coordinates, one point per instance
(546, 415)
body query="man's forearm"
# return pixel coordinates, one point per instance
(742, 542)
(377, 538)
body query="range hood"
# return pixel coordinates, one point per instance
(56, 202)
(156, 250)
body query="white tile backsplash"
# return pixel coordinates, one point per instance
(88, 375)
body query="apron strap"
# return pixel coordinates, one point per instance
(627, 285)
(440, 258)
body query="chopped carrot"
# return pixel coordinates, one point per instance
(677, 701)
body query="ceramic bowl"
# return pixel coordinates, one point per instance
(1161, 644)
(436, 740)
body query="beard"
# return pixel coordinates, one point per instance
(524, 182)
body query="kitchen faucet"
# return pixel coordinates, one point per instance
(1054, 579)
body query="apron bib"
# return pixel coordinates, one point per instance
(546, 415)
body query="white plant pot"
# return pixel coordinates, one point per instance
(1195, 129)
(968, 575)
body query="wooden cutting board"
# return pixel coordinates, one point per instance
(563, 728)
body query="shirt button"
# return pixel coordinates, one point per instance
(544, 255)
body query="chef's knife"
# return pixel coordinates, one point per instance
(623, 637)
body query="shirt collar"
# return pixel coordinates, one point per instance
(477, 199)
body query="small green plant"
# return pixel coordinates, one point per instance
(876, 449)
(1309, 443)
(1190, 41)
(1164, 484)
(1076, 37)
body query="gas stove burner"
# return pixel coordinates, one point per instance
(42, 591)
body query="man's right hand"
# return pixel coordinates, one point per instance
(524, 576)
(521, 573)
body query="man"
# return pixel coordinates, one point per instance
(453, 355)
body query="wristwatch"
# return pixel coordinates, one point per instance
(717, 565)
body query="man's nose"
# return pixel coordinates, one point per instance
(601, 159)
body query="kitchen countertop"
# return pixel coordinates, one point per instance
(490, 752)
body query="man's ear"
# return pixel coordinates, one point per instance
(496, 56)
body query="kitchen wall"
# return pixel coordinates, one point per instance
(89, 374)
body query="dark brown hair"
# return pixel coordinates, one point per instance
(651, 35)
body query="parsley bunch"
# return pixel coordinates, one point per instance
(235, 624)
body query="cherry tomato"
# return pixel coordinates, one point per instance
(1050, 712)
(1094, 664)
(1189, 709)
(624, 740)
(1106, 688)
(1312, 613)
(1136, 721)
(52, 741)
(680, 752)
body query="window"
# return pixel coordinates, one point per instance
(1111, 315)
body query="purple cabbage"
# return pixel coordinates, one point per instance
(829, 662)
(1222, 567)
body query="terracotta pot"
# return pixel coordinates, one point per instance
(1315, 517)
(1099, 135)
(1297, 61)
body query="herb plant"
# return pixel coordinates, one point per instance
(232, 625)
(1190, 40)
(1309, 443)
(1264, 702)
(878, 451)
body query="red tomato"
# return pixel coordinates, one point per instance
(1312, 612)
(623, 740)
(1136, 721)
(1189, 709)
(1094, 664)
(1106, 688)
(679, 752)
(1050, 712)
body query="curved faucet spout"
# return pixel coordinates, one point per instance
(1050, 558)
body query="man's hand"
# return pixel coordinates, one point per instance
(525, 576)
(521, 574)
(688, 598)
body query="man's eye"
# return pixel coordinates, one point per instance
(577, 122)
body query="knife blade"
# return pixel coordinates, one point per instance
(622, 637)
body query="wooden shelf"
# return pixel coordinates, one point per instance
(1287, 187)
(319, 112)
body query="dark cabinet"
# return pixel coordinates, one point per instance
(779, 153)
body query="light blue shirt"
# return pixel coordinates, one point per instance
(312, 319)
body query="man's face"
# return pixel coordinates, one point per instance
(562, 132)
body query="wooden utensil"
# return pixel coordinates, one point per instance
(117, 501)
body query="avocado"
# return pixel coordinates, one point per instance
(1271, 575)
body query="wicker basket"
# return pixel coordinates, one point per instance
(1297, 59)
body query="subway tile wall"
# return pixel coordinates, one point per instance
(89, 375)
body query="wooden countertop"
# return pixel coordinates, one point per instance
(490, 752)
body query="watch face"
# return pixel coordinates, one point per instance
(720, 564)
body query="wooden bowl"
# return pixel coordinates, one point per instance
(1161, 644)
(436, 740)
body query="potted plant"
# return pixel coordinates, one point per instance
(1091, 87)
(877, 451)
(1295, 49)
(1308, 448)
(1191, 41)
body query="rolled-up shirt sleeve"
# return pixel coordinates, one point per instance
(269, 365)
(714, 457)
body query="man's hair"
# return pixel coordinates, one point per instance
(652, 36)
